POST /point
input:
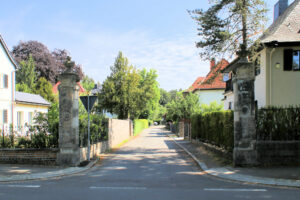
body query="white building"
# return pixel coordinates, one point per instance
(16, 108)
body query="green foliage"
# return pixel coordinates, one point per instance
(22, 87)
(129, 93)
(275, 123)
(215, 128)
(228, 26)
(87, 83)
(5, 142)
(24, 142)
(44, 88)
(26, 74)
(212, 107)
(183, 107)
(139, 125)
(98, 126)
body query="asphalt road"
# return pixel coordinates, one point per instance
(149, 167)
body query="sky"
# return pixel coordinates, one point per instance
(152, 34)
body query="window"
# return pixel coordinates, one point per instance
(5, 117)
(5, 81)
(291, 60)
(30, 118)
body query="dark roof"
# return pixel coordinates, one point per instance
(33, 99)
(287, 26)
(8, 53)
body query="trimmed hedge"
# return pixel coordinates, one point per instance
(139, 125)
(279, 124)
(215, 128)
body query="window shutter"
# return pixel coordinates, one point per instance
(288, 59)
(5, 117)
(5, 81)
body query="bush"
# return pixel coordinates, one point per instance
(139, 125)
(215, 128)
(275, 123)
(5, 142)
(24, 142)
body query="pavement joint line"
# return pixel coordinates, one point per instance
(235, 190)
(22, 186)
(226, 174)
(119, 188)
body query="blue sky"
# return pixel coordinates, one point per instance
(156, 34)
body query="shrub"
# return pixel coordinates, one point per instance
(139, 125)
(24, 142)
(276, 123)
(215, 128)
(5, 142)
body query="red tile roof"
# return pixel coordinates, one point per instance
(213, 80)
(55, 88)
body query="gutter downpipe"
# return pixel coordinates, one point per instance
(270, 93)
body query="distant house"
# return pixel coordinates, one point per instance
(211, 87)
(16, 108)
(277, 63)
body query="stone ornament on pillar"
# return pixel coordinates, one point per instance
(69, 152)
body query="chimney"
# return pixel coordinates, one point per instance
(212, 63)
(279, 8)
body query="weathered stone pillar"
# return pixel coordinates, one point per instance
(244, 152)
(69, 154)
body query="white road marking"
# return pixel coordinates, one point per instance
(119, 188)
(235, 190)
(22, 186)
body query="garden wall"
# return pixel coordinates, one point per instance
(29, 156)
(96, 149)
(272, 153)
(119, 131)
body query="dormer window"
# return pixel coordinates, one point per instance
(291, 60)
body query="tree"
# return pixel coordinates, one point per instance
(44, 88)
(227, 27)
(87, 83)
(47, 64)
(149, 95)
(119, 92)
(164, 97)
(44, 62)
(60, 57)
(26, 74)
(183, 107)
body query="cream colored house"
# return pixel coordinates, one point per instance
(278, 61)
(17, 109)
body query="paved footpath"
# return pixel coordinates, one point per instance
(151, 166)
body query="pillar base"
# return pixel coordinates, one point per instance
(68, 157)
(244, 157)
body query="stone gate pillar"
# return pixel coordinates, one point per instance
(244, 152)
(69, 152)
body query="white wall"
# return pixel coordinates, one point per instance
(6, 94)
(229, 98)
(209, 96)
(260, 84)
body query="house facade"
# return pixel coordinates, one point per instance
(277, 63)
(210, 88)
(17, 109)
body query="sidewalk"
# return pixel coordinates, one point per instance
(17, 172)
(214, 165)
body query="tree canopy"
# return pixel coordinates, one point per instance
(47, 64)
(229, 27)
(128, 92)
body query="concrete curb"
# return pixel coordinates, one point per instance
(45, 175)
(230, 174)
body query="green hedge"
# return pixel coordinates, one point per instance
(139, 125)
(275, 123)
(215, 128)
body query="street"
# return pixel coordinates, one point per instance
(152, 167)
